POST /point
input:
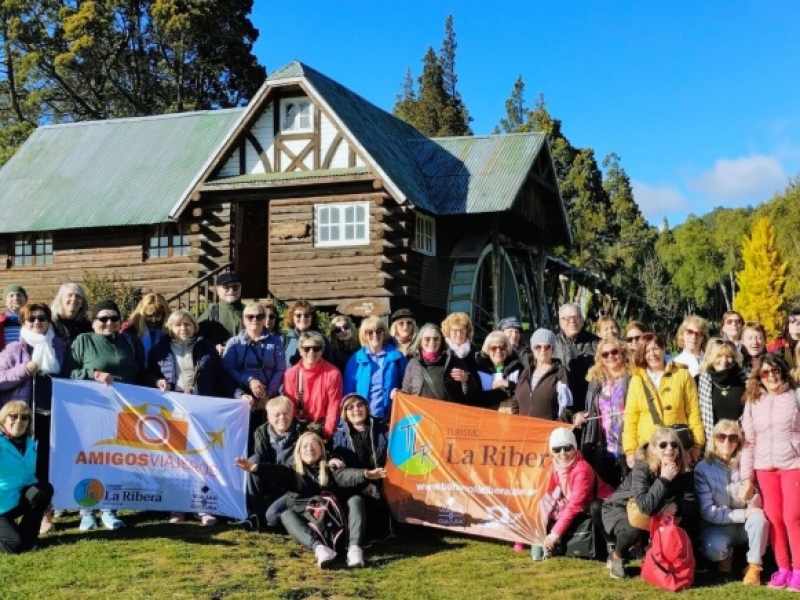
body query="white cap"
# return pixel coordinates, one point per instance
(561, 437)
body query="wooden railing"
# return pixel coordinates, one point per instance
(197, 296)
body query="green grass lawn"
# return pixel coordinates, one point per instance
(154, 559)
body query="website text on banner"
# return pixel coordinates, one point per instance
(132, 447)
(468, 469)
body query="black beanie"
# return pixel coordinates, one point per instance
(105, 305)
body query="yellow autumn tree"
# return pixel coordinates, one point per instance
(761, 282)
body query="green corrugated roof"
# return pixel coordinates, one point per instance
(256, 178)
(106, 173)
(468, 175)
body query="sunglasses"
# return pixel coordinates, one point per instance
(40, 318)
(310, 348)
(258, 317)
(14, 417)
(405, 323)
(371, 332)
(564, 448)
(104, 320)
(733, 321)
(497, 348)
(341, 328)
(431, 339)
(271, 317)
(665, 445)
(693, 332)
(633, 339)
(767, 372)
(542, 347)
(355, 406)
(732, 438)
(302, 315)
(608, 353)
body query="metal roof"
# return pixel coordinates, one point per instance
(106, 173)
(480, 174)
(258, 178)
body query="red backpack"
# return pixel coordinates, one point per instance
(669, 562)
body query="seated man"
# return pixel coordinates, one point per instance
(274, 444)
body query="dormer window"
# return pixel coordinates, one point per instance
(296, 115)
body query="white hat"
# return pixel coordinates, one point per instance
(561, 437)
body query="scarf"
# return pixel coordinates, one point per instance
(460, 351)
(43, 353)
(429, 357)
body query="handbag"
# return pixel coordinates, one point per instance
(669, 562)
(636, 517)
(683, 432)
(581, 538)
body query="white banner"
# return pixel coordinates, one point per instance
(132, 447)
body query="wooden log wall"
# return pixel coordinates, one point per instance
(384, 268)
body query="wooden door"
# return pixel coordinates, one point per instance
(251, 249)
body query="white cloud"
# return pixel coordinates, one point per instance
(752, 179)
(659, 200)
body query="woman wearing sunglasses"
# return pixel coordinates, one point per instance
(542, 390)
(343, 341)
(692, 338)
(633, 332)
(107, 355)
(376, 371)
(660, 483)
(498, 370)
(771, 458)
(571, 489)
(720, 386)
(727, 519)
(23, 498)
(314, 386)
(300, 316)
(786, 345)
(660, 394)
(601, 439)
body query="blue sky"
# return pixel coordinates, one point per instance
(701, 100)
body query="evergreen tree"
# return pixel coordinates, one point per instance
(762, 280)
(406, 101)
(518, 119)
(455, 118)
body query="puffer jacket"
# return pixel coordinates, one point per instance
(771, 427)
(446, 388)
(675, 402)
(16, 471)
(358, 379)
(717, 486)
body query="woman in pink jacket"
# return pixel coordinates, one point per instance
(571, 489)
(771, 454)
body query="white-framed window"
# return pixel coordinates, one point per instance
(425, 235)
(169, 240)
(341, 224)
(296, 115)
(32, 249)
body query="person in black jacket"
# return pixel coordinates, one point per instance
(498, 370)
(661, 484)
(575, 348)
(310, 477)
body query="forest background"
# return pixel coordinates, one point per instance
(71, 60)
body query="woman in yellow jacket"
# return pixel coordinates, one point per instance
(674, 396)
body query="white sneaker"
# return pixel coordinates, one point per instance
(355, 557)
(324, 555)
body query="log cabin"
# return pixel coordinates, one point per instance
(310, 191)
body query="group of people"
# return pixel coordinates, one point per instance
(711, 435)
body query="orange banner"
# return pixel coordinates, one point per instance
(468, 469)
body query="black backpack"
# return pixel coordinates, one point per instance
(327, 520)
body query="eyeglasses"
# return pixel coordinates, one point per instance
(232, 287)
(665, 445)
(104, 320)
(14, 417)
(564, 448)
(258, 317)
(405, 323)
(371, 332)
(341, 328)
(310, 348)
(355, 406)
(431, 339)
(542, 347)
(271, 316)
(498, 349)
(693, 332)
(40, 318)
(573, 319)
(767, 372)
(302, 315)
(731, 438)
(633, 339)
(733, 321)
(609, 353)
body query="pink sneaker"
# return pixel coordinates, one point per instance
(794, 582)
(519, 547)
(780, 579)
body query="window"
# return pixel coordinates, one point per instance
(169, 240)
(296, 115)
(33, 249)
(342, 224)
(425, 238)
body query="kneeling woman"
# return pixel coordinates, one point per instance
(21, 495)
(728, 520)
(661, 484)
(311, 476)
